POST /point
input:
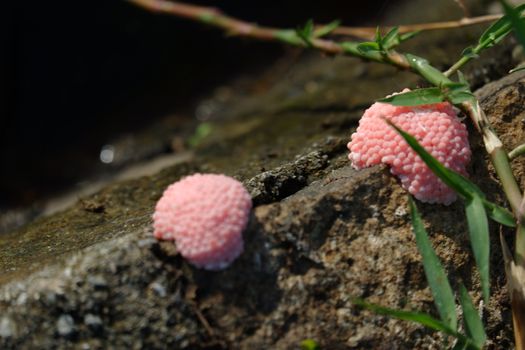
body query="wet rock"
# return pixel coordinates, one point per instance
(279, 183)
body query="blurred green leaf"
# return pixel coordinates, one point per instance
(517, 69)
(478, 228)
(409, 35)
(378, 39)
(415, 97)
(436, 277)
(368, 46)
(327, 29)
(203, 130)
(288, 36)
(306, 33)
(391, 39)
(516, 21)
(422, 319)
(497, 31)
(414, 316)
(473, 324)
(310, 344)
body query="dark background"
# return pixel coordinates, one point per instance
(74, 74)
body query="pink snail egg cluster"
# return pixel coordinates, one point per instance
(436, 127)
(205, 214)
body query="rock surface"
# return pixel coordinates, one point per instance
(321, 233)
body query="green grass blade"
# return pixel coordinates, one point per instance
(416, 97)
(517, 69)
(413, 316)
(436, 277)
(473, 324)
(478, 228)
(420, 318)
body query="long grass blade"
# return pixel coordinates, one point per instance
(478, 227)
(473, 324)
(436, 276)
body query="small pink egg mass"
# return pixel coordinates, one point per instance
(205, 214)
(435, 126)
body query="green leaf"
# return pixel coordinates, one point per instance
(203, 130)
(391, 39)
(517, 69)
(420, 318)
(306, 32)
(457, 93)
(458, 97)
(436, 277)
(478, 228)
(516, 21)
(425, 69)
(288, 36)
(327, 29)
(455, 86)
(473, 324)
(367, 46)
(413, 316)
(378, 39)
(416, 97)
(409, 35)
(499, 214)
(497, 31)
(310, 344)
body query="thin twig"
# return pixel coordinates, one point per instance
(369, 32)
(237, 27)
(234, 26)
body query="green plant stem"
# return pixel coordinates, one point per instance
(519, 251)
(462, 61)
(508, 181)
(516, 152)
